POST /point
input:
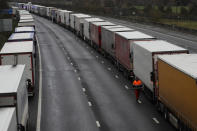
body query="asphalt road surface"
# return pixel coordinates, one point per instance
(82, 91)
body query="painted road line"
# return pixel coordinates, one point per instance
(126, 87)
(102, 62)
(116, 76)
(109, 68)
(155, 120)
(79, 78)
(89, 103)
(98, 124)
(71, 63)
(75, 70)
(40, 91)
(83, 89)
(139, 101)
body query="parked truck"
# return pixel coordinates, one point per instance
(124, 49)
(145, 56)
(95, 33)
(24, 30)
(86, 30)
(108, 40)
(26, 22)
(23, 52)
(13, 92)
(177, 75)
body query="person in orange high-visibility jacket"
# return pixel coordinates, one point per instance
(137, 85)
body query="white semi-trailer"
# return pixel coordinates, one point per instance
(14, 53)
(13, 92)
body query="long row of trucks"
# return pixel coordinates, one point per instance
(168, 72)
(17, 73)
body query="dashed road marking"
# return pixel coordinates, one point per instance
(79, 78)
(139, 101)
(116, 76)
(126, 87)
(71, 63)
(68, 58)
(89, 103)
(102, 62)
(83, 89)
(155, 120)
(98, 124)
(75, 70)
(109, 68)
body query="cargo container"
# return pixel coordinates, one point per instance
(177, 75)
(145, 54)
(123, 49)
(8, 121)
(86, 31)
(58, 16)
(113, 26)
(15, 37)
(13, 91)
(24, 30)
(108, 39)
(42, 11)
(53, 14)
(95, 35)
(63, 17)
(27, 22)
(25, 17)
(79, 22)
(14, 53)
(48, 13)
(68, 21)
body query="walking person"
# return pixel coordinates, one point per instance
(137, 85)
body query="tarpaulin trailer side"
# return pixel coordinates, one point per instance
(13, 91)
(124, 53)
(177, 77)
(86, 30)
(95, 35)
(79, 22)
(14, 53)
(108, 38)
(145, 56)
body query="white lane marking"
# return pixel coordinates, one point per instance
(83, 89)
(109, 68)
(98, 124)
(155, 120)
(102, 62)
(79, 78)
(40, 91)
(116, 76)
(89, 103)
(68, 58)
(71, 63)
(126, 87)
(75, 70)
(139, 101)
